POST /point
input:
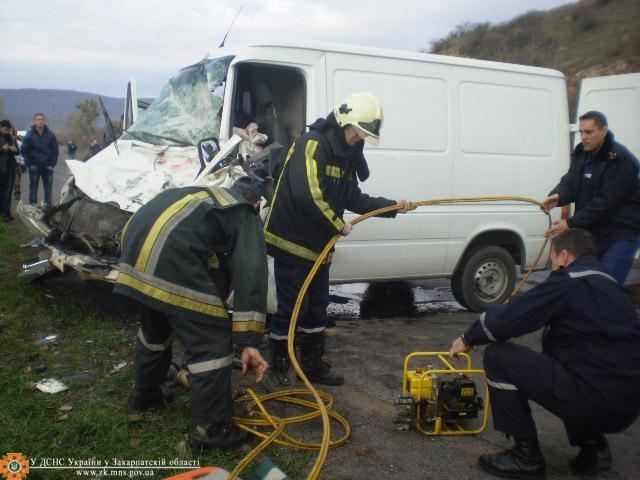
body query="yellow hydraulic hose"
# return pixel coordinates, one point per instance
(320, 408)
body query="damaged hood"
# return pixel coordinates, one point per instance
(136, 175)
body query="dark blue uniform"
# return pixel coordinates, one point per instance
(588, 373)
(605, 187)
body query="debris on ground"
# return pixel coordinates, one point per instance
(85, 376)
(118, 367)
(51, 338)
(35, 243)
(51, 385)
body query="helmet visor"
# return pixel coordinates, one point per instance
(364, 135)
(372, 128)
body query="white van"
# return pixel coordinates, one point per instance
(453, 127)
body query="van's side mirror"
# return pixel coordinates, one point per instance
(207, 149)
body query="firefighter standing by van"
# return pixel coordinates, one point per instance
(169, 249)
(319, 181)
(588, 373)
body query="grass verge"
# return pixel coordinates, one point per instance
(88, 422)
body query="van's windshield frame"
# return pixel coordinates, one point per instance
(189, 107)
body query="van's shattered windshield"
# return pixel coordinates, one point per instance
(189, 107)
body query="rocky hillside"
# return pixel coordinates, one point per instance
(587, 38)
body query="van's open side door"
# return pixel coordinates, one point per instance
(618, 97)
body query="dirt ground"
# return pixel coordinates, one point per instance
(369, 351)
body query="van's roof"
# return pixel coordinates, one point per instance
(407, 55)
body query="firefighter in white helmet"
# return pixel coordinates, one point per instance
(319, 181)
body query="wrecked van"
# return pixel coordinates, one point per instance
(453, 127)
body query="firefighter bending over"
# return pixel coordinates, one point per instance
(588, 373)
(182, 253)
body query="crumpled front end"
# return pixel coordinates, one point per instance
(79, 233)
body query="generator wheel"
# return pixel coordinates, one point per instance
(485, 277)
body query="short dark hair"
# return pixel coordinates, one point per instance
(576, 241)
(597, 117)
(38, 114)
(5, 123)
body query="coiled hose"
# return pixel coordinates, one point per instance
(322, 405)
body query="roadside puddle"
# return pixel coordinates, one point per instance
(355, 301)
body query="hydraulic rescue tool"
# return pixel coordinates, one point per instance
(441, 399)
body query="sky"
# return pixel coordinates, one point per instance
(96, 46)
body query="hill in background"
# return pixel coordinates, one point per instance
(19, 106)
(585, 39)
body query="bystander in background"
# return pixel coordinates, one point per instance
(40, 153)
(8, 152)
(20, 168)
(71, 149)
(94, 148)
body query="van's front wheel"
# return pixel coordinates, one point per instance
(486, 276)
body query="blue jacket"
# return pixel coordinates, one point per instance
(40, 150)
(591, 328)
(612, 208)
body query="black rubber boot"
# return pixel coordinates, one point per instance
(147, 399)
(524, 460)
(316, 369)
(277, 377)
(594, 457)
(225, 437)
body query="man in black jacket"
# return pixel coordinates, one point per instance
(588, 373)
(603, 183)
(319, 181)
(8, 152)
(40, 153)
(71, 150)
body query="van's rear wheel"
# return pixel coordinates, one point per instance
(486, 276)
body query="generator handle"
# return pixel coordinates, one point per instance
(440, 356)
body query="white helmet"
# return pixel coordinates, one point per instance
(364, 112)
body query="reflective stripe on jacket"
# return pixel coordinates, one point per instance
(317, 184)
(591, 327)
(171, 243)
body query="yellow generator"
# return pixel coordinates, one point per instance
(440, 399)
